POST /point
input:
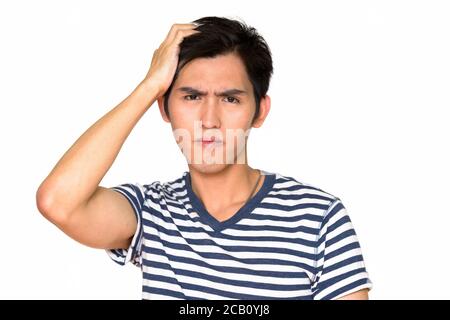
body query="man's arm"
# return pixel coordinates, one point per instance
(358, 295)
(70, 196)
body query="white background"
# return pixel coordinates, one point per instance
(360, 98)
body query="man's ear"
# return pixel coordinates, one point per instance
(161, 109)
(264, 108)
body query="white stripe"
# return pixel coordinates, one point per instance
(155, 258)
(341, 243)
(159, 272)
(228, 263)
(161, 284)
(158, 207)
(285, 184)
(269, 233)
(233, 254)
(182, 211)
(342, 270)
(242, 289)
(339, 230)
(294, 202)
(171, 226)
(115, 257)
(175, 185)
(300, 192)
(342, 256)
(229, 242)
(289, 214)
(340, 284)
(176, 222)
(286, 224)
(337, 215)
(163, 197)
(222, 274)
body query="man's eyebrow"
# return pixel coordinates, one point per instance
(197, 92)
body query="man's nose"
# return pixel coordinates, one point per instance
(211, 114)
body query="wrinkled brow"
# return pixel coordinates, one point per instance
(228, 92)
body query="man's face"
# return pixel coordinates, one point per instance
(204, 106)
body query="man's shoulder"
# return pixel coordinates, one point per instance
(288, 184)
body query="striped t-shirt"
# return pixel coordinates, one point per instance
(291, 240)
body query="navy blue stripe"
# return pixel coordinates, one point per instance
(254, 215)
(338, 223)
(334, 226)
(164, 292)
(172, 215)
(332, 281)
(187, 247)
(161, 278)
(299, 206)
(166, 203)
(119, 256)
(343, 263)
(210, 242)
(298, 196)
(337, 207)
(296, 218)
(226, 294)
(273, 274)
(226, 257)
(338, 252)
(181, 205)
(118, 253)
(220, 235)
(341, 236)
(220, 280)
(202, 263)
(346, 288)
(290, 230)
(297, 187)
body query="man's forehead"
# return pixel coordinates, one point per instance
(218, 79)
(229, 73)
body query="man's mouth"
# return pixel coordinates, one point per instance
(209, 140)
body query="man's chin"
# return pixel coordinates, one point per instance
(208, 168)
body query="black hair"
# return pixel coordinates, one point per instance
(219, 36)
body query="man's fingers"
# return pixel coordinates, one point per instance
(181, 34)
(177, 27)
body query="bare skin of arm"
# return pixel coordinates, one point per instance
(70, 196)
(358, 295)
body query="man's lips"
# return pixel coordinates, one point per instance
(208, 140)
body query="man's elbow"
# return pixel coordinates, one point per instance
(46, 206)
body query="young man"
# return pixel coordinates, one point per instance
(223, 229)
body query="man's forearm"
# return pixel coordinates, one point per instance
(78, 173)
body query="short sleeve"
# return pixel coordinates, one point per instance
(340, 268)
(135, 194)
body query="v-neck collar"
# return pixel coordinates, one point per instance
(244, 211)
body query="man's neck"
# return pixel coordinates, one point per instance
(228, 188)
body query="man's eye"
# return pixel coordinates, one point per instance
(234, 100)
(188, 97)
